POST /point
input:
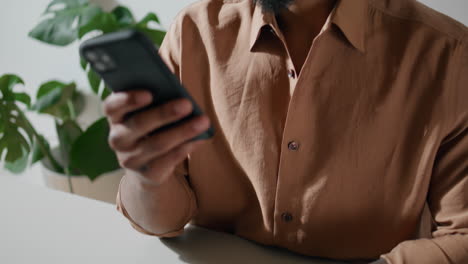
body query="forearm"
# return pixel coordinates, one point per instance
(446, 249)
(156, 210)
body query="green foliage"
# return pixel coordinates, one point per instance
(85, 152)
(7, 84)
(18, 139)
(91, 154)
(59, 100)
(15, 133)
(20, 143)
(60, 30)
(123, 16)
(104, 22)
(68, 16)
(19, 165)
(155, 35)
(68, 132)
(118, 19)
(94, 81)
(73, 19)
(105, 92)
(80, 152)
(37, 153)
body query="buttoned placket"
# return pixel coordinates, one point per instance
(287, 208)
(285, 219)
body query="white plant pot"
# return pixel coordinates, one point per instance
(103, 188)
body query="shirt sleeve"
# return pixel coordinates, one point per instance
(161, 211)
(448, 191)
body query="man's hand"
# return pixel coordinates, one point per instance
(154, 157)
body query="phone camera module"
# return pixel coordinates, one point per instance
(106, 58)
(101, 67)
(91, 55)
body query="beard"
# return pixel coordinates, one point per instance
(273, 6)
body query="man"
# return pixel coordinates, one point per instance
(341, 130)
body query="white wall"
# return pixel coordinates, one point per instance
(37, 62)
(457, 9)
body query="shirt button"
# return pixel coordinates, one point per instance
(293, 145)
(287, 217)
(291, 74)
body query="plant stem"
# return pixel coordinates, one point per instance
(70, 185)
(44, 149)
(71, 108)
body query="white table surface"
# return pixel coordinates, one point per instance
(39, 225)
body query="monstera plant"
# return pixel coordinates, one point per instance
(66, 21)
(19, 141)
(23, 145)
(81, 151)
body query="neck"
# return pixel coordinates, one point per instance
(310, 14)
(300, 23)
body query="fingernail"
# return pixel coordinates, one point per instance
(200, 124)
(143, 98)
(181, 107)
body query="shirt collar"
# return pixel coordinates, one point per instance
(349, 15)
(259, 20)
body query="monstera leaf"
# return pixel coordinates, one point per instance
(68, 16)
(91, 154)
(155, 35)
(68, 132)
(118, 19)
(124, 16)
(16, 136)
(104, 22)
(59, 99)
(37, 153)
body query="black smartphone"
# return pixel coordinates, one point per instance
(128, 60)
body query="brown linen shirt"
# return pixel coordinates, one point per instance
(351, 159)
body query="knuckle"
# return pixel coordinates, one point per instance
(111, 98)
(130, 160)
(114, 139)
(107, 108)
(141, 150)
(129, 99)
(127, 162)
(121, 164)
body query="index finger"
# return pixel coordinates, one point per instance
(118, 104)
